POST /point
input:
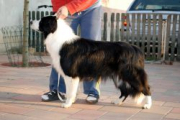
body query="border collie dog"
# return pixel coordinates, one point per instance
(76, 58)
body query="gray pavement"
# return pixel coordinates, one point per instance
(21, 90)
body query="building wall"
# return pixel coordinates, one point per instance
(11, 12)
(117, 4)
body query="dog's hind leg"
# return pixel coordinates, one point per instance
(124, 89)
(148, 102)
(137, 79)
(146, 89)
(139, 98)
(71, 90)
(148, 98)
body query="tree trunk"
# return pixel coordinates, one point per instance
(25, 58)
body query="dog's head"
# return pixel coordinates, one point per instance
(45, 25)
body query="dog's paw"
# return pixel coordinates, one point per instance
(148, 103)
(66, 105)
(116, 102)
(147, 106)
(74, 100)
(139, 98)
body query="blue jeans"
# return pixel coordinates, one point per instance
(90, 28)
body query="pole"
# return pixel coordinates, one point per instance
(25, 58)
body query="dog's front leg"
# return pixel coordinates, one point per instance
(71, 90)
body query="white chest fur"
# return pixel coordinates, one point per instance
(54, 42)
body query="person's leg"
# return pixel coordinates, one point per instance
(91, 29)
(53, 87)
(53, 84)
(91, 88)
(74, 21)
(91, 24)
(53, 80)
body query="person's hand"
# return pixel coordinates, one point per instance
(62, 12)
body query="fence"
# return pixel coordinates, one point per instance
(12, 37)
(172, 35)
(159, 38)
(13, 42)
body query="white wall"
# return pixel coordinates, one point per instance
(11, 13)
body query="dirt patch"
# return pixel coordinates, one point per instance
(31, 64)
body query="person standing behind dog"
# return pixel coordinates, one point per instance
(86, 14)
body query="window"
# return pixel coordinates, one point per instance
(170, 5)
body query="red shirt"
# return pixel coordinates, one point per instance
(72, 5)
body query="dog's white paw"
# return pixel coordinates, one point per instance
(74, 100)
(147, 106)
(66, 105)
(148, 103)
(139, 98)
(117, 102)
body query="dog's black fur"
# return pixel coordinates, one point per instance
(94, 59)
(86, 58)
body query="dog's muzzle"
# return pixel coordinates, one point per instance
(34, 25)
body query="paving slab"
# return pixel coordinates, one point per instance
(21, 90)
